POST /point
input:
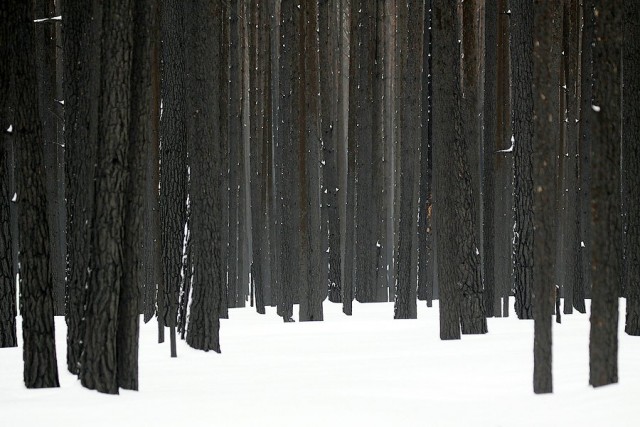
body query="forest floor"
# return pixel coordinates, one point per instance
(364, 370)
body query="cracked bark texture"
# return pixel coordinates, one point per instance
(36, 286)
(99, 360)
(8, 312)
(173, 159)
(410, 28)
(81, 50)
(203, 49)
(522, 140)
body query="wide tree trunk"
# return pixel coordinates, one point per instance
(81, 50)
(99, 360)
(203, 49)
(36, 287)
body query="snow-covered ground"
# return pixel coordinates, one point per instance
(365, 370)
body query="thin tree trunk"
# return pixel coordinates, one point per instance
(546, 130)
(522, 143)
(605, 193)
(631, 161)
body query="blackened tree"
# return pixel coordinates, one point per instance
(36, 287)
(8, 336)
(489, 128)
(425, 221)
(328, 44)
(173, 160)
(570, 226)
(546, 107)
(313, 290)
(203, 49)
(46, 52)
(605, 193)
(81, 50)
(99, 360)
(143, 129)
(522, 111)
(361, 106)
(410, 28)
(631, 159)
(445, 107)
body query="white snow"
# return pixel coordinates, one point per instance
(53, 18)
(595, 108)
(10, 129)
(364, 370)
(15, 197)
(510, 149)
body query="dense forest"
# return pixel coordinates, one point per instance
(175, 160)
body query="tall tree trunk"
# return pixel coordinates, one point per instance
(546, 131)
(503, 170)
(346, 158)
(8, 312)
(203, 49)
(570, 187)
(361, 107)
(45, 37)
(411, 26)
(81, 49)
(446, 94)
(522, 143)
(288, 182)
(143, 123)
(99, 359)
(314, 290)
(36, 287)
(631, 161)
(605, 193)
(235, 144)
(583, 284)
(328, 106)
(173, 159)
(425, 219)
(490, 121)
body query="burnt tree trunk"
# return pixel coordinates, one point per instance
(36, 286)
(606, 251)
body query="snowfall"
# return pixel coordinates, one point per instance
(364, 370)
